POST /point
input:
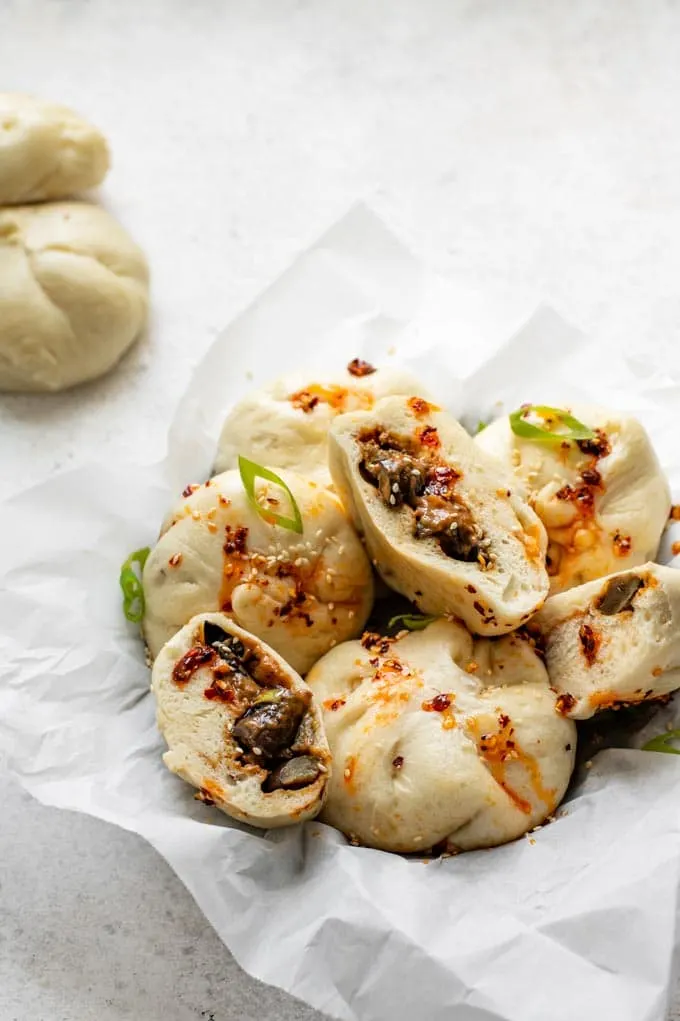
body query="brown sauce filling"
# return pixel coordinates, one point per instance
(422, 481)
(272, 725)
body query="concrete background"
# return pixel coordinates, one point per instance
(528, 151)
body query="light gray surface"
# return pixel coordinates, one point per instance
(529, 151)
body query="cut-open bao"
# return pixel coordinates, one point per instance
(286, 423)
(240, 725)
(437, 737)
(443, 521)
(604, 501)
(301, 593)
(614, 641)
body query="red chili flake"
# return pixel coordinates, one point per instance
(188, 490)
(622, 544)
(675, 548)
(590, 642)
(235, 540)
(222, 500)
(398, 761)
(503, 720)
(479, 608)
(190, 662)
(334, 703)
(441, 480)
(471, 589)
(203, 796)
(418, 406)
(675, 512)
(358, 367)
(429, 437)
(597, 447)
(304, 401)
(591, 477)
(175, 560)
(222, 694)
(565, 703)
(438, 704)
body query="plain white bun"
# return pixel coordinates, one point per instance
(198, 731)
(286, 423)
(73, 294)
(299, 593)
(614, 641)
(437, 737)
(491, 597)
(46, 151)
(630, 502)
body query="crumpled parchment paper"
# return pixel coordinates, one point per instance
(578, 922)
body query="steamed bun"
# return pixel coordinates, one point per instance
(300, 593)
(240, 724)
(614, 641)
(285, 424)
(73, 294)
(444, 523)
(604, 502)
(46, 151)
(437, 737)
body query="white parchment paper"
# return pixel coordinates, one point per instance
(580, 922)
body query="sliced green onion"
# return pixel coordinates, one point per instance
(481, 425)
(268, 695)
(664, 743)
(131, 585)
(573, 429)
(249, 472)
(411, 621)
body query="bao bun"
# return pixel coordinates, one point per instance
(437, 737)
(299, 593)
(493, 590)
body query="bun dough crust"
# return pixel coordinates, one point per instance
(202, 748)
(73, 295)
(285, 425)
(438, 737)
(46, 151)
(493, 595)
(299, 593)
(613, 641)
(599, 523)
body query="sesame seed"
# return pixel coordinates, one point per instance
(212, 527)
(331, 606)
(333, 642)
(392, 501)
(329, 578)
(351, 614)
(211, 513)
(257, 751)
(395, 487)
(196, 515)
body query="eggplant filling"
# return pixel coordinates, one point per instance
(275, 731)
(618, 595)
(428, 488)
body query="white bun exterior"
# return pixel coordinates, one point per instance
(286, 423)
(73, 295)
(484, 769)
(299, 593)
(47, 151)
